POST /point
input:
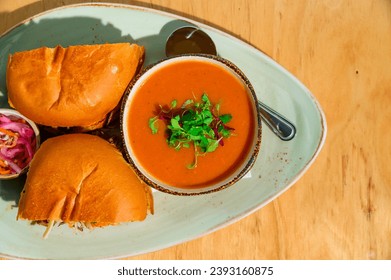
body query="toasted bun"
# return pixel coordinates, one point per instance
(82, 178)
(76, 86)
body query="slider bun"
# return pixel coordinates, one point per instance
(77, 86)
(82, 178)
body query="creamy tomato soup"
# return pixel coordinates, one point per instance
(180, 81)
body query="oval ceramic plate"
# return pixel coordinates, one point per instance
(177, 219)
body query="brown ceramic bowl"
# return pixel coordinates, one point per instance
(148, 76)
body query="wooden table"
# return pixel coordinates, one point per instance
(341, 50)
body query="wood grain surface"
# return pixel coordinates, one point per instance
(341, 50)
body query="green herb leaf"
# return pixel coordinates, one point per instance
(186, 145)
(175, 123)
(205, 99)
(187, 103)
(225, 118)
(217, 107)
(153, 125)
(212, 145)
(173, 104)
(225, 133)
(195, 130)
(196, 123)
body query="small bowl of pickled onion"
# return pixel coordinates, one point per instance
(19, 140)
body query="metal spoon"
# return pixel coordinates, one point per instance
(191, 39)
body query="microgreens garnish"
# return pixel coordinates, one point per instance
(197, 123)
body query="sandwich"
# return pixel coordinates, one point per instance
(78, 87)
(83, 181)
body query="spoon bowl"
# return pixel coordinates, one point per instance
(189, 40)
(192, 40)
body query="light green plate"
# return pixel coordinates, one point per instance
(177, 219)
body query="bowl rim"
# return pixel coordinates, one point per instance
(242, 169)
(33, 125)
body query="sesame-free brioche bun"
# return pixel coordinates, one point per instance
(81, 178)
(77, 86)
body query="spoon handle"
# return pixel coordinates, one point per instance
(283, 128)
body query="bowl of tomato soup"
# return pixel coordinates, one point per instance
(191, 125)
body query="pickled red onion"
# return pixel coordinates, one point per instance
(17, 157)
